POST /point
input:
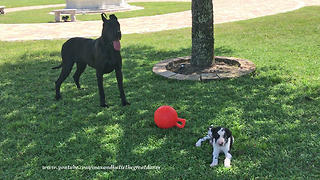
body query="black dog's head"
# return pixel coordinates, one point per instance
(111, 31)
(221, 135)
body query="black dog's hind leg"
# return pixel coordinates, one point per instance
(80, 68)
(101, 91)
(120, 85)
(66, 69)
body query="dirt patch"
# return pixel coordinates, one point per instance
(221, 66)
(225, 67)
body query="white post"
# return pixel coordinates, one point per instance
(57, 16)
(73, 15)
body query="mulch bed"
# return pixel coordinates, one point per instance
(185, 68)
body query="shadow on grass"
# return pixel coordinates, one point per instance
(267, 115)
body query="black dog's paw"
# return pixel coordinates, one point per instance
(58, 98)
(125, 103)
(104, 105)
(308, 98)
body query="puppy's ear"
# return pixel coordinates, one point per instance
(112, 16)
(104, 17)
(228, 132)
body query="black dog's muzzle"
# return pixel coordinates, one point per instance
(118, 34)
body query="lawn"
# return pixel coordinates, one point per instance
(273, 113)
(43, 16)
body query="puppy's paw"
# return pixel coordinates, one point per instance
(198, 144)
(227, 163)
(213, 164)
(210, 142)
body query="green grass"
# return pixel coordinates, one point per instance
(21, 3)
(43, 16)
(276, 127)
(150, 9)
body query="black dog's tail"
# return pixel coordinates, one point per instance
(57, 67)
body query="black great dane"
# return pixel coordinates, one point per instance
(103, 54)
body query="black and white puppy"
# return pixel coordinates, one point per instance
(221, 139)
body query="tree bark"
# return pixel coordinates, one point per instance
(202, 54)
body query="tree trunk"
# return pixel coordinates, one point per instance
(202, 54)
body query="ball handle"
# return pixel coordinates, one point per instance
(182, 121)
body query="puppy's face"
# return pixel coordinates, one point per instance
(220, 136)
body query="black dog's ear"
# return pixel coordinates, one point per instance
(104, 17)
(112, 16)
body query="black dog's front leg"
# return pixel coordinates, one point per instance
(101, 91)
(120, 85)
